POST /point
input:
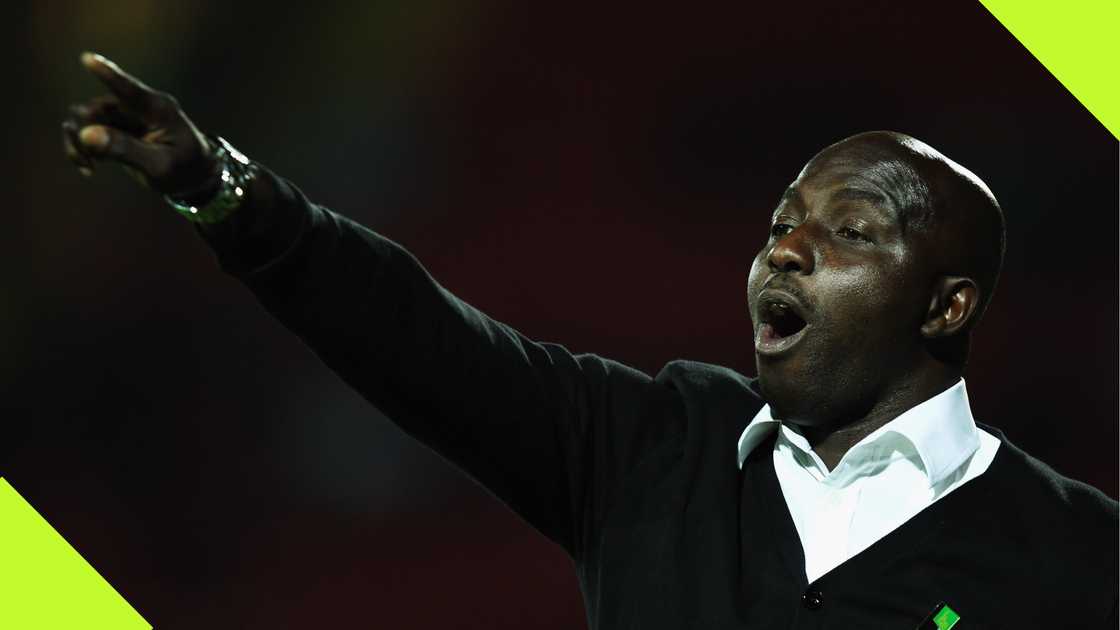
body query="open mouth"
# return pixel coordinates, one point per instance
(780, 327)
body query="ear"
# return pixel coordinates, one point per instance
(952, 306)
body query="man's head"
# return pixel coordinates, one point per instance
(882, 256)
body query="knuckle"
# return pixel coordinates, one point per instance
(103, 103)
(164, 103)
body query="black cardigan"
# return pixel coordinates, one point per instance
(636, 477)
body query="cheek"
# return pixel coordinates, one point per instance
(874, 303)
(756, 277)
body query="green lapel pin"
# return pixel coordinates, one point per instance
(946, 618)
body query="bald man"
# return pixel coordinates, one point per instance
(848, 486)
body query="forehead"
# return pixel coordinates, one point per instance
(880, 180)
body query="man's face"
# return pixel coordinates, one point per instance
(837, 294)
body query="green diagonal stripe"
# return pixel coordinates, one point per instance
(1077, 42)
(45, 584)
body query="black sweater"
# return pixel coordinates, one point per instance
(636, 477)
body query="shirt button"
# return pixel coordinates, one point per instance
(812, 599)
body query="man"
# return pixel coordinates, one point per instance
(847, 486)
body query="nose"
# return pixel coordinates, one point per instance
(792, 253)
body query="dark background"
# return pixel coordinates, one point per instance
(595, 175)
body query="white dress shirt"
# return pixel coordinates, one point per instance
(889, 476)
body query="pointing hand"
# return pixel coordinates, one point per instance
(142, 129)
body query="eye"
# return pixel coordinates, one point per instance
(778, 230)
(852, 234)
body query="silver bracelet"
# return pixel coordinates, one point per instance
(237, 173)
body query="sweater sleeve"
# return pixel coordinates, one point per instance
(537, 425)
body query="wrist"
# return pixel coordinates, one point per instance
(224, 190)
(202, 176)
(202, 194)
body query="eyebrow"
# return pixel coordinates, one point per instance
(861, 194)
(791, 194)
(875, 198)
(848, 193)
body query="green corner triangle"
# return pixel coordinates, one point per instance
(45, 584)
(1077, 42)
(946, 618)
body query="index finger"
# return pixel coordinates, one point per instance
(131, 91)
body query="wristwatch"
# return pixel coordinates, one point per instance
(237, 172)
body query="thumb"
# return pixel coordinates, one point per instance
(113, 144)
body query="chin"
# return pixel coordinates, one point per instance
(798, 398)
(780, 392)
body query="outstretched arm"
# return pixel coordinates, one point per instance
(545, 430)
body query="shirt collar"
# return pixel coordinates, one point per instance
(941, 430)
